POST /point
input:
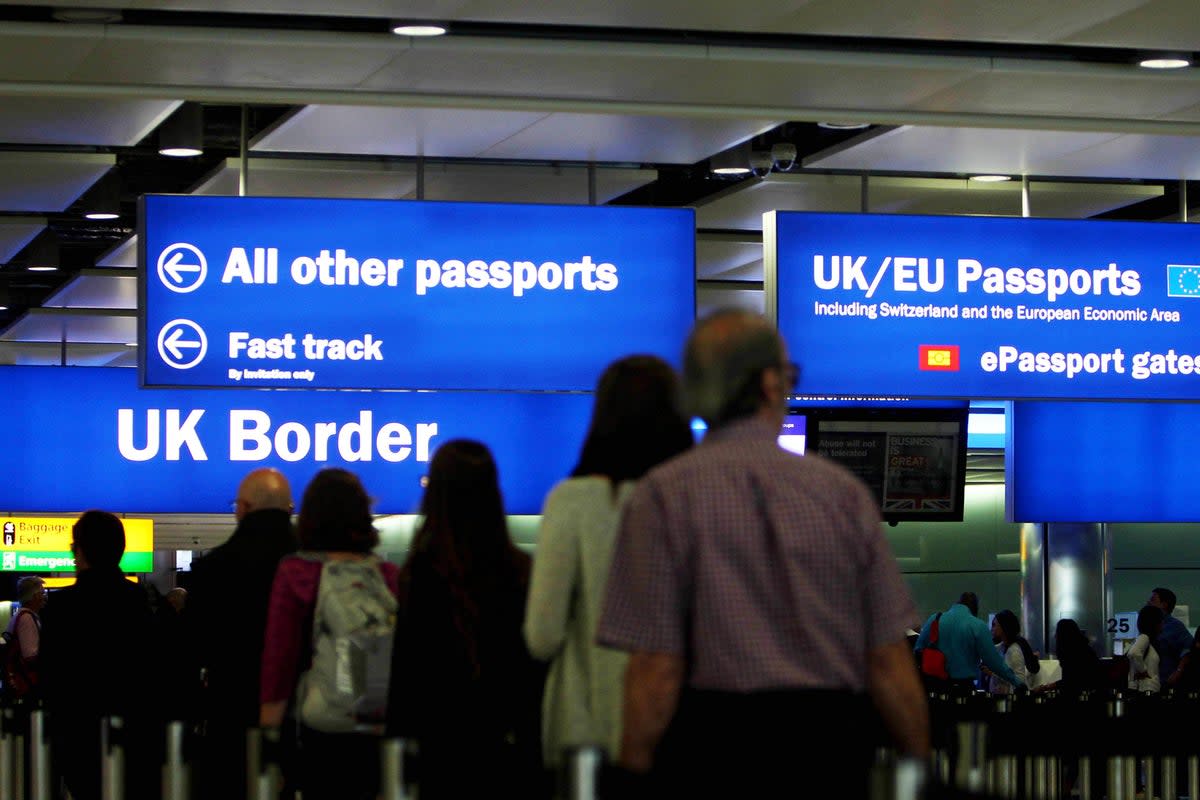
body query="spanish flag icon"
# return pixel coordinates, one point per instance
(939, 357)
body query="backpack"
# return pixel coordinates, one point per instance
(933, 660)
(346, 688)
(19, 679)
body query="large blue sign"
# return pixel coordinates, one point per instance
(1103, 462)
(89, 437)
(987, 307)
(271, 292)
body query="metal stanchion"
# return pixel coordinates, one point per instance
(583, 768)
(39, 756)
(175, 771)
(1148, 775)
(266, 776)
(19, 778)
(1085, 778)
(1041, 778)
(968, 769)
(902, 780)
(253, 760)
(1193, 770)
(112, 759)
(7, 760)
(397, 780)
(1167, 769)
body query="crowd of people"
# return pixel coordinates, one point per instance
(686, 605)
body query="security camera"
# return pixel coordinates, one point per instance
(783, 156)
(761, 163)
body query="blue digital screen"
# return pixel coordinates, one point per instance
(304, 293)
(987, 307)
(1103, 462)
(90, 438)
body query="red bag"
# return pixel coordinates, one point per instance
(933, 660)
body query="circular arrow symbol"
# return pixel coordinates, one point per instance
(176, 341)
(182, 267)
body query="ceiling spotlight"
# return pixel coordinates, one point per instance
(991, 178)
(732, 162)
(783, 156)
(42, 254)
(104, 199)
(182, 135)
(1165, 62)
(418, 29)
(3, 308)
(42, 268)
(843, 126)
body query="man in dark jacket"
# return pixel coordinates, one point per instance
(227, 601)
(97, 651)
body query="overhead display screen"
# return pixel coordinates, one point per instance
(1103, 462)
(90, 438)
(319, 293)
(913, 460)
(976, 307)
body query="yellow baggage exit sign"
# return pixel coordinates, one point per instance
(43, 544)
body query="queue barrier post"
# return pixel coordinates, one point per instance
(902, 779)
(253, 760)
(112, 758)
(39, 756)
(266, 777)
(6, 755)
(583, 772)
(972, 746)
(397, 782)
(175, 771)
(1193, 771)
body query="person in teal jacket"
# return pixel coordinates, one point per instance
(966, 640)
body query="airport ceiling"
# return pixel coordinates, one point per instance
(612, 101)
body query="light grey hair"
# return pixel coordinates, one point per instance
(725, 354)
(28, 587)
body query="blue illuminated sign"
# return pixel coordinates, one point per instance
(1103, 462)
(89, 438)
(987, 307)
(300, 293)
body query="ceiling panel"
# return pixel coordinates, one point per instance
(354, 130)
(1137, 157)
(1155, 25)
(273, 177)
(728, 261)
(97, 288)
(742, 205)
(710, 299)
(498, 183)
(1144, 94)
(234, 57)
(122, 256)
(50, 354)
(73, 325)
(619, 138)
(116, 123)
(964, 20)
(16, 232)
(960, 196)
(958, 150)
(48, 181)
(45, 52)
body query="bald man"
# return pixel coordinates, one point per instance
(227, 602)
(754, 589)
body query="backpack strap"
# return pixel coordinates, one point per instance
(933, 629)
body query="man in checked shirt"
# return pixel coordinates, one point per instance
(761, 604)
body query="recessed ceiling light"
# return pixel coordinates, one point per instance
(991, 178)
(3, 308)
(844, 126)
(418, 29)
(131, 344)
(42, 269)
(731, 171)
(101, 215)
(1164, 63)
(180, 152)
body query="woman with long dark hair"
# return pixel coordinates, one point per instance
(636, 424)
(1016, 651)
(333, 573)
(1143, 654)
(463, 685)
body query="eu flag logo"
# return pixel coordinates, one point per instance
(1183, 280)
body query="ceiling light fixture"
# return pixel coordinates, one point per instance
(731, 163)
(44, 268)
(1165, 62)
(182, 134)
(419, 29)
(843, 126)
(991, 178)
(104, 199)
(42, 253)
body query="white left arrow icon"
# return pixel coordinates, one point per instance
(182, 267)
(177, 339)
